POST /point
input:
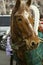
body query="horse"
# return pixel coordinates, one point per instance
(23, 36)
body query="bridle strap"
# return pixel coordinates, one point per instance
(19, 44)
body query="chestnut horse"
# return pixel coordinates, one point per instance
(22, 29)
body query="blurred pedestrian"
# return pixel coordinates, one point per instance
(9, 51)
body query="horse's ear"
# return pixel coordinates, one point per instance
(16, 7)
(28, 2)
(17, 3)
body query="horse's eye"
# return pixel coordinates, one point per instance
(19, 19)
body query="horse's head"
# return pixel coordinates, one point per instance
(22, 24)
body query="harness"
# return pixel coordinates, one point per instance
(18, 45)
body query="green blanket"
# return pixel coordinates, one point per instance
(34, 57)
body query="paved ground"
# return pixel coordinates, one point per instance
(4, 59)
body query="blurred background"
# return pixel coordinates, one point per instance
(6, 7)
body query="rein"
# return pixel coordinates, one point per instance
(41, 39)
